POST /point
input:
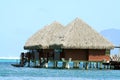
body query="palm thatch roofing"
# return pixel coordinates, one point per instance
(75, 35)
(43, 37)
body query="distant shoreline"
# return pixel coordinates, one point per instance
(9, 58)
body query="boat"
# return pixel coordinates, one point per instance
(17, 65)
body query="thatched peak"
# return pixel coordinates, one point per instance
(77, 20)
(55, 24)
(81, 35)
(43, 37)
(76, 35)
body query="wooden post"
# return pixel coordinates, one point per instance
(46, 62)
(111, 67)
(96, 64)
(104, 67)
(67, 63)
(46, 65)
(100, 65)
(39, 58)
(86, 67)
(67, 66)
(76, 65)
(79, 64)
(29, 56)
(90, 65)
(83, 65)
(34, 62)
(63, 62)
(63, 65)
(55, 64)
(107, 66)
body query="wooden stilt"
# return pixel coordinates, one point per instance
(111, 67)
(46, 65)
(83, 65)
(104, 67)
(39, 59)
(96, 64)
(28, 58)
(67, 66)
(90, 65)
(38, 63)
(67, 63)
(86, 67)
(28, 63)
(100, 65)
(55, 64)
(79, 64)
(76, 65)
(63, 64)
(34, 62)
(108, 67)
(46, 62)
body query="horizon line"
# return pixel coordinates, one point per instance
(9, 57)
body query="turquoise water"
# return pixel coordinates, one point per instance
(8, 72)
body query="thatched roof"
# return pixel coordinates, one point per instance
(79, 35)
(76, 35)
(43, 37)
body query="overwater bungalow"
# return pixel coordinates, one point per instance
(76, 42)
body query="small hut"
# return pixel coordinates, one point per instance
(38, 44)
(76, 41)
(81, 42)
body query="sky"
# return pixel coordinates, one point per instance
(20, 19)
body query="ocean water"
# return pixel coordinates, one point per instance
(8, 72)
